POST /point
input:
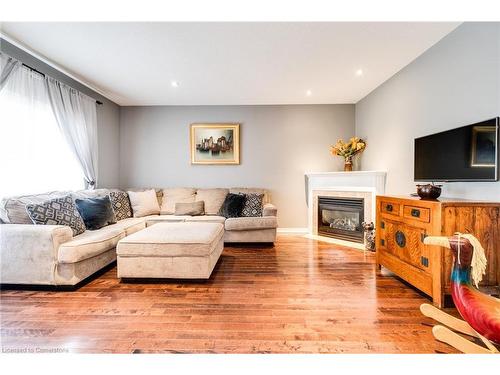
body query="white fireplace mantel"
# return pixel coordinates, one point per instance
(352, 181)
(355, 184)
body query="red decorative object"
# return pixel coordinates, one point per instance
(480, 311)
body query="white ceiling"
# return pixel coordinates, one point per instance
(230, 63)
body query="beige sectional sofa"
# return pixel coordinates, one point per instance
(51, 255)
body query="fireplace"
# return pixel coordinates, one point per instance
(341, 218)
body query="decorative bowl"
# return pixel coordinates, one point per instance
(429, 191)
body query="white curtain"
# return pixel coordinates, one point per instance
(76, 117)
(35, 156)
(8, 66)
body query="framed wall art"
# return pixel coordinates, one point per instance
(215, 143)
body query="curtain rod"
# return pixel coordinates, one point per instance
(43, 74)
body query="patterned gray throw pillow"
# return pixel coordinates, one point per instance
(58, 211)
(253, 205)
(121, 204)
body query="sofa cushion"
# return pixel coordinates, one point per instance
(171, 196)
(213, 199)
(193, 208)
(121, 204)
(251, 223)
(96, 212)
(130, 225)
(96, 193)
(206, 219)
(144, 203)
(13, 209)
(159, 193)
(57, 211)
(172, 239)
(253, 205)
(90, 244)
(154, 219)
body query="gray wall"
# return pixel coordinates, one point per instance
(278, 144)
(454, 83)
(108, 116)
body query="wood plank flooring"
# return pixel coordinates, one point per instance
(298, 296)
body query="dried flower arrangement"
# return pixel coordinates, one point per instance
(347, 150)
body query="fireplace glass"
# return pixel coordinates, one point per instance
(341, 218)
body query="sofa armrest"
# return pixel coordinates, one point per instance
(269, 210)
(28, 253)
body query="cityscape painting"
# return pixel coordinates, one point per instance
(215, 143)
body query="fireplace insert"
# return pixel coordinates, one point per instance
(341, 218)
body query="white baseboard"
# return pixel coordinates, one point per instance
(292, 230)
(354, 245)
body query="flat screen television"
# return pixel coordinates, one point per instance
(468, 153)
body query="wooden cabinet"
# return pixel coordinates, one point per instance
(404, 222)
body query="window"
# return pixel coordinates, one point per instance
(34, 156)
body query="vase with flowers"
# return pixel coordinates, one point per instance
(348, 150)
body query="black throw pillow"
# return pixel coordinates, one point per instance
(232, 206)
(96, 212)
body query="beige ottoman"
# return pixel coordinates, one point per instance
(171, 250)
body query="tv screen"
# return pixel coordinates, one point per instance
(469, 153)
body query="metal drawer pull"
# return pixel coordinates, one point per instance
(382, 242)
(388, 207)
(382, 225)
(415, 212)
(400, 239)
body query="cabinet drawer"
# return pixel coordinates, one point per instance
(417, 213)
(390, 208)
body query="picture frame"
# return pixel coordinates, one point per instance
(483, 147)
(215, 143)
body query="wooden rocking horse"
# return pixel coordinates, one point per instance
(481, 312)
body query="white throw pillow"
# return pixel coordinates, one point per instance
(144, 203)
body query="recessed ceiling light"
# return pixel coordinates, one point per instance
(174, 84)
(359, 72)
(309, 93)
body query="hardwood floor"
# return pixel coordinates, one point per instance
(300, 296)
